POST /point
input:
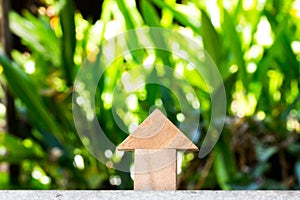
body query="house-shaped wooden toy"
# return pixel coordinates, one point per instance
(155, 143)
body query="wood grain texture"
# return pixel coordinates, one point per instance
(155, 169)
(155, 143)
(157, 132)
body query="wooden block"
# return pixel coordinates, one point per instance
(155, 169)
(157, 132)
(155, 143)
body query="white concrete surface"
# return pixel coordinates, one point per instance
(137, 195)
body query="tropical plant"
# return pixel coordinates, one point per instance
(255, 44)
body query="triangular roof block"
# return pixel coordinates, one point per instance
(157, 132)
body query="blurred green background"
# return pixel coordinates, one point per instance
(254, 43)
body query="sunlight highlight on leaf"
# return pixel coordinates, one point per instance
(214, 11)
(248, 4)
(264, 35)
(296, 9)
(296, 47)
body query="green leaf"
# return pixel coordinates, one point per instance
(263, 154)
(221, 170)
(150, 14)
(284, 115)
(235, 45)
(68, 39)
(130, 24)
(297, 171)
(211, 39)
(13, 150)
(294, 149)
(22, 87)
(271, 53)
(37, 35)
(260, 169)
(182, 18)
